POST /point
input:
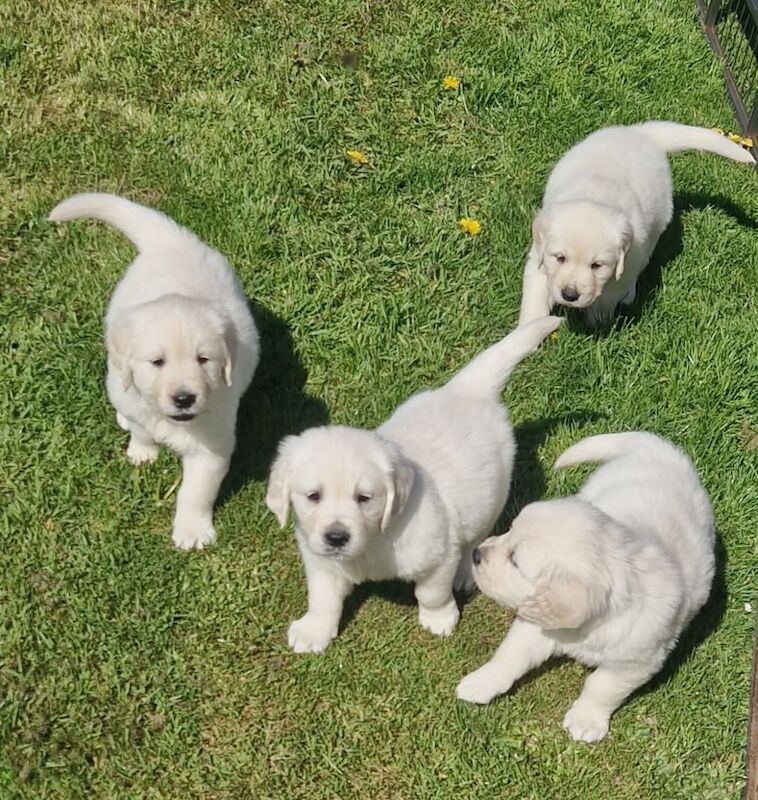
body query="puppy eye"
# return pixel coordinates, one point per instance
(596, 265)
(559, 257)
(158, 362)
(202, 360)
(362, 498)
(314, 497)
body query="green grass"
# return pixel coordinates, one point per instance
(131, 670)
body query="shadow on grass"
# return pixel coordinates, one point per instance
(669, 246)
(276, 404)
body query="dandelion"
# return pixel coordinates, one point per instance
(450, 82)
(470, 226)
(554, 336)
(743, 141)
(357, 157)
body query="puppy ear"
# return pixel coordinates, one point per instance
(118, 341)
(539, 234)
(398, 477)
(625, 243)
(230, 353)
(560, 601)
(278, 493)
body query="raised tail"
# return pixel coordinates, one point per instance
(487, 373)
(596, 449)
(673, 138)
(146, 228)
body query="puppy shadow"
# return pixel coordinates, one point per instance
(275, 404)
(702, 626)
(669, 247)
(529, 480)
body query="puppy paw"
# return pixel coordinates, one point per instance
(586, 723)
(440, 621)
(477, 687)
(192, 533)
(310, 634)
(140, 453)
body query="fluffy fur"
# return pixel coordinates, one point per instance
(606, 203)
(408, 501)
(182, 349)
(610, 576)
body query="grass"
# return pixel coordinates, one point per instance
(130, 670)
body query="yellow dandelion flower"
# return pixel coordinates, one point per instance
(470, 226)
(450, 82)
(554, 336)
(357, 157)
(743, 141)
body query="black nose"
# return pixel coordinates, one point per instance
(184, 399)
(476, 556)
(569, 294)
(337, 537)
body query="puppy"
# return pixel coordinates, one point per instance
(606, 204)
(410, 500)
(610, 576)
(182, 349)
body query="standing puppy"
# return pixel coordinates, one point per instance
(410, 500)
(606, 203)
(610, 576)
(182, 349)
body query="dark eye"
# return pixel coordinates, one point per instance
(362, 498)
(596, 265)
(314, 497)
(560, 258)
(512, 558)
(158, 362)
(202, 360)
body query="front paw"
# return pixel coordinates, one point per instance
(477, 687)
(586, 723)
(311, 634)
(193, 532)
(140, 452)
(440, 621)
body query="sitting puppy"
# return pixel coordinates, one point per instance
(610, 576)
(408, 501)
(182, 349)
(606, 204)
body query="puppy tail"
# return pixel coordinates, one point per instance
(672, 137)
(487, 373)
(607, 446)
(146, 228)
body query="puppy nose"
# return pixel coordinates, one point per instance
(337, 537)
(569, 293)
(184, 399)
(476, 556)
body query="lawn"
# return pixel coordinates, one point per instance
(131, 670)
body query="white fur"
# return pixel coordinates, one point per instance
(409, 500)
(609, 577)
(606, 203)
(179, 302)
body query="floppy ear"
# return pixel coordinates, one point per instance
(399, 482)
(559, 601)
(539, 234)
(118, 342)
(230, 353)
(626, 242)
(278, 492)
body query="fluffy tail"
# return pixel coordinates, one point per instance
(607, 446)
(673, 138)
(487, 373)
(145, 227)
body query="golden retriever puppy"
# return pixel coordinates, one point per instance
(410, 500)
(609, 577)
(182, 349)
(606, 203)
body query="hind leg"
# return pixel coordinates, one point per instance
(464, 579)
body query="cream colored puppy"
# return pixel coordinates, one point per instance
(606, 203)
(610, 576)
(410, 500)
(182, 349)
